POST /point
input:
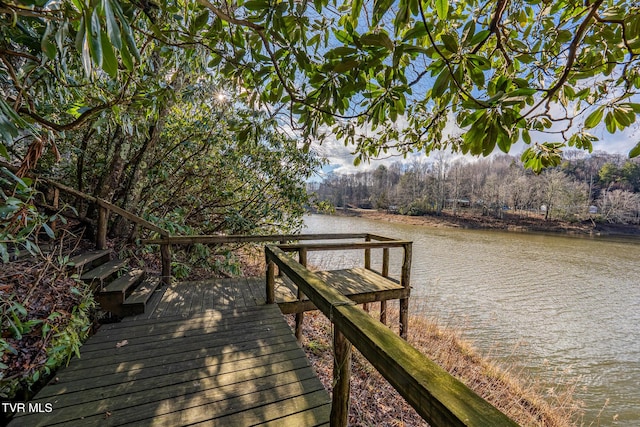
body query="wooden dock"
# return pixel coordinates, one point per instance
(359, 284)
(208, 353)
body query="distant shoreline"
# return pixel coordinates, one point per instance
(510, 222)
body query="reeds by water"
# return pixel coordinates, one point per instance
(373, 402)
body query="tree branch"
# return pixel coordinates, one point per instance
(493, 25)
(573, 49)
(571, 57)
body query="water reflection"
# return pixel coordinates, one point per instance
(556, 305)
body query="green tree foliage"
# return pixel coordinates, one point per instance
(380, 74)
(496, 186)
(130, 112)
(224, 168)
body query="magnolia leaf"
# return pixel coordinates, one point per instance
(635, 151)
(344, 66)
(377, 39)
(113, 31)
(442, 8)
(450, 43)
(356, 8)
(441, 83)
(93, 34)
(610, 122)
(416, 32)
(478, 37)
(109, 61)
(594, 118)
(201, 20)
(380, 7)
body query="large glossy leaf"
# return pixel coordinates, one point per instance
(442, 8)
(109, 61)
(113, 30)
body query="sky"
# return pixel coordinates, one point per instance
(340, 157)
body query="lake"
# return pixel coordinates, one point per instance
(561, 308)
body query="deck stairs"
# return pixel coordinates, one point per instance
(119, 289)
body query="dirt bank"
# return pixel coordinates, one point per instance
(509, 222)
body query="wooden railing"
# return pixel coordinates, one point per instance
(167, 241)
(438, 397)
(380, 242)
(105, 208)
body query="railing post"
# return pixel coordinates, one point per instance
(367, 266)
(282, 242)
(385, 262)
(405, 281)
(165, 254)
(302, 259)
(271, 282)
(341, 380)
(101, 234)
(385, 273)
(367, 254)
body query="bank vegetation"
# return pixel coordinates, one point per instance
(374, 402)
(598, 188)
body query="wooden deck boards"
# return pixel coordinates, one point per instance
(187, 365)
(205, 353)
(350, 282)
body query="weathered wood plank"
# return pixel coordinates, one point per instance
(217, 239)
(247, 294)
(308, 417)
(149, 378)
(203, 370)
(438, 397)
(148, 404)
(208, 295)
(359, 284)
(343, 246)
(176, 326)
(257, 290)
(86, 259)
(139, 299)
(273, 414)
(130, 406)
(102, 361)
(188, 365)
(218, 313)
(263, 407)
(151, 304)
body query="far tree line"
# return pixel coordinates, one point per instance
(599, 186)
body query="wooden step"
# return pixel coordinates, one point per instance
(90, 259)
(113, 294)
(103, 273)
(137, 301)
(16, 254)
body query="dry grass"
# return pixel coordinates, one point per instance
(373, 402)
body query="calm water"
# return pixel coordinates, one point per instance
(563, 308)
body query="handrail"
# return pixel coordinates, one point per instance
(109, 206)
(384, 243)
(104, 207)
(166, 241)
(220, 239)
(438, 397)
(103, 218)
(291, 247)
